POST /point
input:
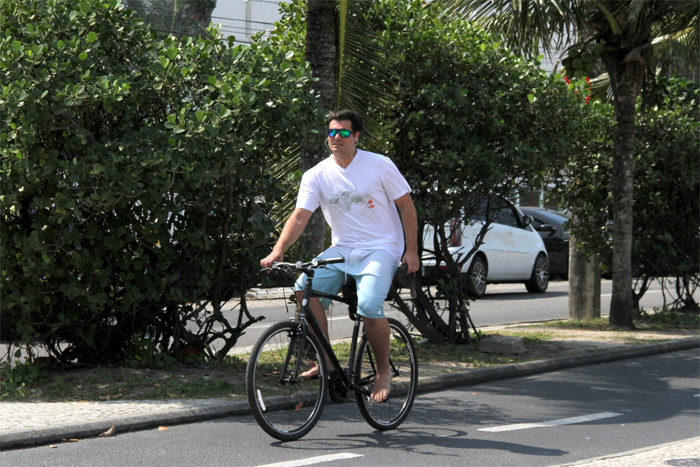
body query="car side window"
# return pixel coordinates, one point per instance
(536, 223)
(507, 216)
(477, 212)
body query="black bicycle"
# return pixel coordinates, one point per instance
(287, 403)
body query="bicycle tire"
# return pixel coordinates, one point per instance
(389, 414)
(289, 409)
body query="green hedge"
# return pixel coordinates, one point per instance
(666, 184)
(136, 182)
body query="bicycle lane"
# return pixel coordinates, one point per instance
(33, 423)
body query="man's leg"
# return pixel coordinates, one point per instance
(327, 280)
(317, 310)
(378, 334)
(320, 315)
(374, 279)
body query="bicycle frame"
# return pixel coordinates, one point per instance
(307, 317)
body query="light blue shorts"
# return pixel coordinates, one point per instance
(373, 271)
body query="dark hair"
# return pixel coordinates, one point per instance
(354, 117)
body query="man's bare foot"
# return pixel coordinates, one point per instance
(380, 389)
(311, 373)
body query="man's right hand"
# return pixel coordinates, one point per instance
(270, 259)
(291, 231)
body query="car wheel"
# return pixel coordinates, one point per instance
(540, 275)
(477, 274)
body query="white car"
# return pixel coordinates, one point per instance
(512, 250)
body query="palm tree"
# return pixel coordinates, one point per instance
(624, 35)
(320, 52)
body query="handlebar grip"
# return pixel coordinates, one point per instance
(332, 260)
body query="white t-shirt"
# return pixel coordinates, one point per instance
(358, 201)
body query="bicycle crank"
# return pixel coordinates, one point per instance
(336, 388)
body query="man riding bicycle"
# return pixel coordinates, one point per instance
(359, 193)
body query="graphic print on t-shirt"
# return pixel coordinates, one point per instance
(347, 200)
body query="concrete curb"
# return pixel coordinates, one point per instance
(217, 408)
(122, 423)
(482, 375)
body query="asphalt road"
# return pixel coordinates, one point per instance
(542, 420)
(502, 304)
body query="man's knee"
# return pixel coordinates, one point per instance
(371, 306)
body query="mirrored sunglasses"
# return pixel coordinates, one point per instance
(343, 133)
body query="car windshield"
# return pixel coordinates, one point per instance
(558, 218)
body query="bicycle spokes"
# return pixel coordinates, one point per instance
(284, 404)
(391, 413)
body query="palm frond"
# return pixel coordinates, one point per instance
(548, 25)
(363, 81)
(676, 54)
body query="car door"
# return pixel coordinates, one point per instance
(496, 246)
(519, 241)
(555, 241)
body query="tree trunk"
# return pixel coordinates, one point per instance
(584, 284)
(322, 56)
(621, 305)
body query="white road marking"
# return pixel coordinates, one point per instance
(562, 421)
(314, 460)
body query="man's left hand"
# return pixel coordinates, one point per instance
(412, 262)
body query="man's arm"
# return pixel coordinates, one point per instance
(290, 233)
(409, 218)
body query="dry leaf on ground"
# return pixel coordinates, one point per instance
(109, 432)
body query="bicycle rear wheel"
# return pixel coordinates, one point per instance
(404, 366)
(285, 405)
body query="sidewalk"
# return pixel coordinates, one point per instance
(685, 452)
(31, 423)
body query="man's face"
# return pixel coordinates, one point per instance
(339, 144)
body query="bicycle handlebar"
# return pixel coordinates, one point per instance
(300, 266)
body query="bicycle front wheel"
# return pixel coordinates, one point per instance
(283, 403)
(404, 383)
